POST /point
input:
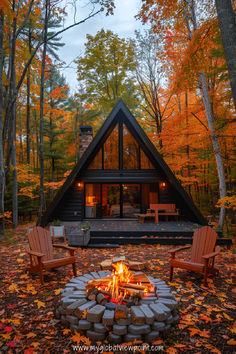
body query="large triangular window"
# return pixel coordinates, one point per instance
(145, 162)
(130, 151)
(132, 155)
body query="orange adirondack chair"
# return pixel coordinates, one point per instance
(203, 254)
(40, 251)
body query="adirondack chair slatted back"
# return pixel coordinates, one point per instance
(204, 241)
(40, 241)
(166, 207)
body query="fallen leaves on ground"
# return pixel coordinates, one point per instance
(28, 325)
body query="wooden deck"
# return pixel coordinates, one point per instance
(120, 231)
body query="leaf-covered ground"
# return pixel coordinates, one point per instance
(27, 322)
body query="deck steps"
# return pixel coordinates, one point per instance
(135, 240)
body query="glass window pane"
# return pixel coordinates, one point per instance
(111, 201)
(92, 200)
(149, 195)
(111, 150)
(131, 200)
(96, 164)
(130, 151)
(145, 162)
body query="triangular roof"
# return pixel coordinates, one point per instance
(122, 110)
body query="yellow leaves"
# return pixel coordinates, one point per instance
(6, 336)
(13, 288)
(66, 331)
(227, 202)
(173, 284)
(39, 303)
(233, 330)
(6, 215)
(31, 289)
(14, 321)
(227, 317)
(198, 302)
(58, 291)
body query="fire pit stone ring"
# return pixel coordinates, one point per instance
(117, 323)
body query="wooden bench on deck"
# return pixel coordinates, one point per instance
(166, 210)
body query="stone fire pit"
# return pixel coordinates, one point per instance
(117, 323)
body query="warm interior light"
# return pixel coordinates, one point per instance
(91, 199)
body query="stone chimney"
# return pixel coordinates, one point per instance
(85, 138)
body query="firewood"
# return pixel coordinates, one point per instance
(101, 299)
(106, 264)
(92, 293)
(133, 286)
(118, 259)
(104, 292)
(140, 277)
(99, 281)
(137, 292)
(134, 265)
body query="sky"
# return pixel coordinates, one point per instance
(122, 23)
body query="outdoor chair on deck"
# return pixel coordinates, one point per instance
(58, 232)
(40, 251)
(203, 254)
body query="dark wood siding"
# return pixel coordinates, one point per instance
(71, 206)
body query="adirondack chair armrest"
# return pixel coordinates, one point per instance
(33, 253)
(178, 249)
(68, 248)
(213, 254)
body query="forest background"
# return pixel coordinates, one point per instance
(177, 77)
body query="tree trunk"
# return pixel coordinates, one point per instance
(28, 100)
(76, 135)
(12, 123)
(2, 171)
(41, 133)
(215, 144)
(210, 121)
(28, 118)
(227, 22)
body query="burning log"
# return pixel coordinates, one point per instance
(133, 286)
(121, 285)
(92, 293)
(101, 299)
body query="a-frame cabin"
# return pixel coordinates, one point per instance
(119, 175)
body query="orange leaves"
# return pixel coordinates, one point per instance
(39, 303)
(205, 318)
(78, 339)
(227, 202)
(203, 333)
(58, 92)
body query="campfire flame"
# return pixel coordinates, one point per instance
(121, 274)
(122, 285)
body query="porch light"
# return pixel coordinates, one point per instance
(80, 185)
(163, 185)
